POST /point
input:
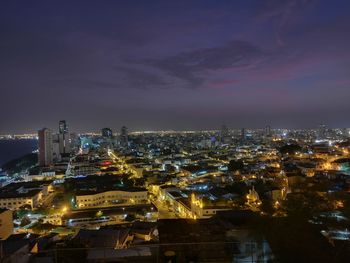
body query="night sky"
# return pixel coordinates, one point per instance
(154, 65)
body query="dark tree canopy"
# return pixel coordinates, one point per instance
(235, 165)
(290, 149)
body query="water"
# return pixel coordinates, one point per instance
(12, 149)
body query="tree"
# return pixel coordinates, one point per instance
(20, 164)
(25, 221)
(305, 205)
(290, 149)
(130, 218)
(235, 165)
(267, 207)
(170, 168)
(40, 227)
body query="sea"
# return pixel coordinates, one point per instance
(13, 149)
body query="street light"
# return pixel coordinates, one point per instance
(64, 209)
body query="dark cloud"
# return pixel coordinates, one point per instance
(192, 66)
(156, 64)
(284, 13)
(141, 78)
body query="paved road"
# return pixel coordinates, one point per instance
(163, 211)
(47, 202)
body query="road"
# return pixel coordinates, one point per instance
(163, 211)
(47, 202)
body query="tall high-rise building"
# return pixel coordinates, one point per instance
(224, 134)
(62, 127)
(74, 139)
(56, 155)
(45, 147)
(107, 133)
(322, 132)
(268, 132)
(63, 138)
(243, 134)
(124, 136)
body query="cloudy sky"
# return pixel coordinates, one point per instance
(154, 65)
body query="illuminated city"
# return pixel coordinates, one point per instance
(175, 131)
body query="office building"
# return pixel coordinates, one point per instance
(56, 148)
(45, 147)
(268, 132)
(124, 136)
(224, 134)
(107, 133)
(322, 132)
(62, 127)
(63, 138)
(243, 134)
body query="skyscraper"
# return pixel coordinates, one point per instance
(107, 133)
(322, 132)
(63, 138)
(45, 147)
(268, 131)
(243, 134)
(56, 155)
(62, 127)
(124, 136)
(224, 134)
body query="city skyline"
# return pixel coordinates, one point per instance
(175, 131)
(174, 65)
(116, 130)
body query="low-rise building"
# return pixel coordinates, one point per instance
(111, 238)
(112, 197)
(200, 209)
(6, 223)
(17, 195)
(94, 217)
